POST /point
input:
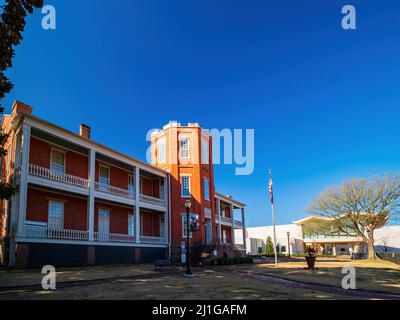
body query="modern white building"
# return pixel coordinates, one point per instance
(291, 236)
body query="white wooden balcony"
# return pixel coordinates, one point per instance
(41, 231)
(63, 178)
(152, 240)
(115, 191)
(152, 200)
(113, 237)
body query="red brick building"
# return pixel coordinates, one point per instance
(79, 202)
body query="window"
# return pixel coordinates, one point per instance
(185, 182)
(131, 224)
(184, 148)
(205, 153)
(223, 212)
(224, 236)
(56, 215)
(104, 176)
(184, 227)
(57, 161)
(161, 152)
(162, 227)
(162, 190)
(206, 189)
(131, 183)
(283, 249)
(8, 159)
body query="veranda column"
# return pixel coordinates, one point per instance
(233, 225)
(92, 179)
(334, 249)
(23, 193)
(137, 204)
(15, 201)
(244, 229)
(219, 221)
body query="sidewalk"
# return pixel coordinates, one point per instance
(32, 277)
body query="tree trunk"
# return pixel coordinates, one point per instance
(371, 246)
(371, 251)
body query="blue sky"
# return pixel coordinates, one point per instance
(324, 102)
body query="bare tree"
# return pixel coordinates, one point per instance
(360, 206)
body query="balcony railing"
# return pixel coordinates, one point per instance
(224, 219)
(239, 223)
(113, 237)
(152, 240)
(43, 232)
(130, 194)
(46, 173)
(152, 200)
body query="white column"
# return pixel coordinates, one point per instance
(92, 179)
(137, 204)
(334, 250)
(219, 221)
(233, 225)
(23, 193)
(244, 228)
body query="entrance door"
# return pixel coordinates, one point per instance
(208, 231)
(104, 225)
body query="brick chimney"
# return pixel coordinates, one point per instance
(20, 107)
(84, 131)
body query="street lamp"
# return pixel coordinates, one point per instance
(188, 273)
(288, 242)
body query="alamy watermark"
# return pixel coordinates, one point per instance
(349, 21)
(49, 278)
(49, 20)
(349, 280)
(229, 147)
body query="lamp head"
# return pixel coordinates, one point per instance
(288, 233)
(188, 204)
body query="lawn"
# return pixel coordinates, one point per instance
(376, 276)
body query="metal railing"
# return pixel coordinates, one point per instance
(46, 173)
(152, 200)
(42, 232)
(114, 190)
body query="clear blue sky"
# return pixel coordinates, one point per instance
(324, 102)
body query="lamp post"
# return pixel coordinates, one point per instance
(288, 242)
(188, 273)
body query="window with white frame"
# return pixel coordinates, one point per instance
(205, 152)
(8, 159)
(184, 148)
(57, 161)
(185, 183)
(206, 189)
(224, 236)
(131, 183)
(56, 215)
(104, 176)
(184, 227)
(131, 224)
(223, 214)
(161, 151)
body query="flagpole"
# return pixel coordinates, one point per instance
(273, 218)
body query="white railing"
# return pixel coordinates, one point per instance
(46, 173)
(114, 190)
(113, 237)
(35, 231)
(152, 200)
(151, 240)
(239, 223)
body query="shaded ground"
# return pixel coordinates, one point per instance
(209, 284)
(258, 281)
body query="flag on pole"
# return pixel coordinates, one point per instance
(270, 187)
